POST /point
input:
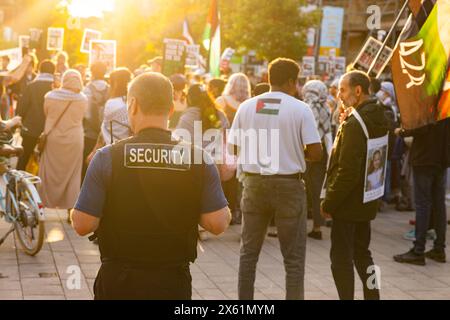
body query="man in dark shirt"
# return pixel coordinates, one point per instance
(430, 158)
(31, 108)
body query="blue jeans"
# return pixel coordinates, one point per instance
(284, 199)
(429, 193)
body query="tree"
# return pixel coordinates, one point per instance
(273, 28)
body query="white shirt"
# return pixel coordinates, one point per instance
(280, 126)
(116, 111)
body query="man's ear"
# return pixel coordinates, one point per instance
(358, 91)
(133, 106)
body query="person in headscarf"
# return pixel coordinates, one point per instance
(315, 94)
(61, 160)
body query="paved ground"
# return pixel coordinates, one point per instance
(215, 273)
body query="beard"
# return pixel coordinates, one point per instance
(350, 102)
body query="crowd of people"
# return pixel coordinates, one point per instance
(81, 110)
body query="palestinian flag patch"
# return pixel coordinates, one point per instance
(268, 106)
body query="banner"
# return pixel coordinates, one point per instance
(174, 57)
(88, 36)
(420, 66)
(104, 51)
(55, 39)
(308, 66)
(368, 54)
(331, 30)
(192, 54)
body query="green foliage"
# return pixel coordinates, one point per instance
(273, 28)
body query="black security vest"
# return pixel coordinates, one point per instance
(152, 209)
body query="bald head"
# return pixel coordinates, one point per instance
(153, 92)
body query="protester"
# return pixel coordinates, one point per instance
(31, 109)
(216, 87)
(261, 88)
(275, 188)
(236, 91)
(315, 94)
(155, 64)
(350, 233)
(61, 160)
(116, 108)
(62, 62)
(97, 92)
(179, 98)
(430, 158)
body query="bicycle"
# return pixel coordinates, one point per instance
(20, 204)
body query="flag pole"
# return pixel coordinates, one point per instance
(391, 31)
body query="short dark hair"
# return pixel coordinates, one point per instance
(119, 80)
(282, 70)
(47, 66)
(153, 92)
(98, 70)
(359, 78)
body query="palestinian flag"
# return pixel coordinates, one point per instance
(268, 106)
(419, 63)
(211, 38)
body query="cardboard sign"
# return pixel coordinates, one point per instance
(105, 51)
(368, 54)
(174, 58)
(88, 36)
(192, 53)
(55, 39)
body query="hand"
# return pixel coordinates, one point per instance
(324, 214)
(398, 131)
(14, 122)
(344, 114)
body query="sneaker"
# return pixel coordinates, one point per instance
(411, 257)
(431, 235)
(438, 256)
(410, 235)
(315, 235)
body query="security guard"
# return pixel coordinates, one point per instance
(144, 198)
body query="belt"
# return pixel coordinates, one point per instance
(143, 264)
(297, 176)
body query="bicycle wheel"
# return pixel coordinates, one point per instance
(30, 230)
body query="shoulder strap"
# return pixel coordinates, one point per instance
(361, 122)
(59, 118)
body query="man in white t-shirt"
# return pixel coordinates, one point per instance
(274, 134)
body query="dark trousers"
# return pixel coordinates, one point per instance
(314, 177)
(28, 144)
(89, 145)
(117, 281)
(350, 248)
(429, 193)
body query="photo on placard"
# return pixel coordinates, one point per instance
(88, 36)
(105, 51)
(376, 164)
(55, 39)
(24, 41)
